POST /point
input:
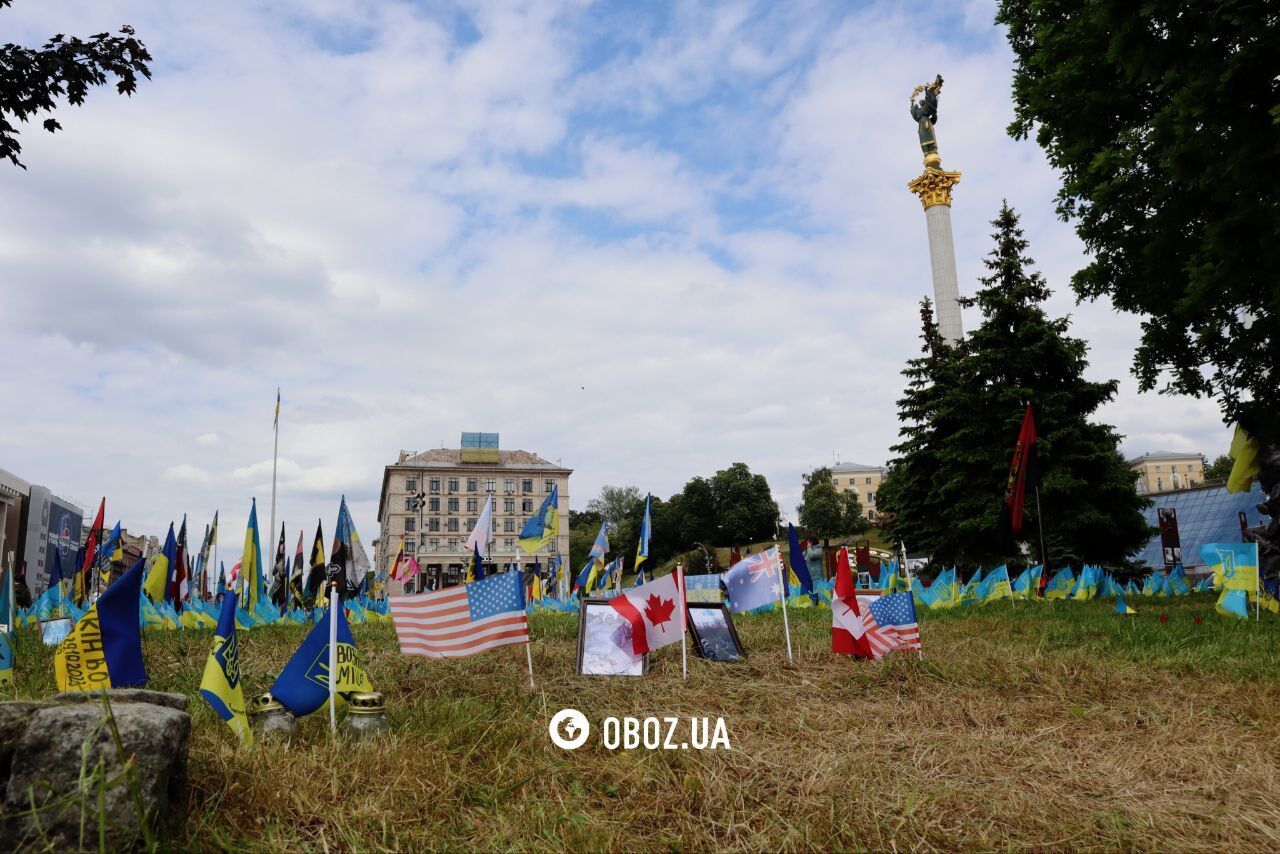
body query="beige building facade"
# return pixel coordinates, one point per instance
(864, 480)
(433, 498)
(1167, 471)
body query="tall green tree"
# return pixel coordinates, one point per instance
(1219, 469)
(825, 512)
(32, 81)
(1161, 118)
(907, 500)
(745, 511)
(1017, 355)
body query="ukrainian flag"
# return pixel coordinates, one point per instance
(104, 650)
(646, 527)
(158, 575)
(1122, 607)
(945, 591)
(251, 561)
(995, 586)
(220, 685)
(1237, 565)
(543, 525)
(1060, 585)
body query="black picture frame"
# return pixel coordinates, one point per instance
(598, 651)
(714, 635)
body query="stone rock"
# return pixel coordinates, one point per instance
(123, 695)
(48, 768)
(13, 722)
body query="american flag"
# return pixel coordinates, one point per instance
(464, 620)
(890, 622)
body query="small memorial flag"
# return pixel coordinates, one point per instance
(460, 621)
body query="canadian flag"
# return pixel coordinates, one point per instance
(848, 631)
(655, 612)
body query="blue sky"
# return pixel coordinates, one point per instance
(648, 240)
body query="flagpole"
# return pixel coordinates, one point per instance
(1044, 558)
(684, 624)
(786, 623)
(275, 457)
(335, 602)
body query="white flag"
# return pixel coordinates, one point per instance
(480, 533)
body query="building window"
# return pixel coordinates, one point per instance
(453, 505)
(526, 485)
(453, 543)
(408, 504)
(411, 484)
(871, 515)
(473, 504)
(548, 485)
(1159, 484)
(435, 542)
(453, 484)
(509, 542)
(409, 546)
(508, 505)
(509, 525)
(434, 484)
(509, 485)
(1157, 468)
(433, 524)
(471, 523)
(871, 498)
(526, 505)
(868, 480)
(453, 525)
(472, 484)
(433, 504)
(408, 524)
(490, 484)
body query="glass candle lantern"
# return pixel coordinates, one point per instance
(271, 720)
(366, 715)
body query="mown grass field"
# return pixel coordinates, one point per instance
(1025, 725)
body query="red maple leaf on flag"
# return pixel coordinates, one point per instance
(659, 610)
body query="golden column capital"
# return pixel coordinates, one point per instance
(933, 187)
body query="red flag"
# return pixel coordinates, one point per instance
(90, 553)
(1015, 491)
(848, 631)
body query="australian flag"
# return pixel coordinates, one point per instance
(754, 581)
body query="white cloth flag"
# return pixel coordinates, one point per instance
(480, 533)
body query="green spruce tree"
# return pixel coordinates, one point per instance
(910, 512)
(1019, 355)
(961, 415)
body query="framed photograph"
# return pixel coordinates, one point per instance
(52, 632)
(604, 642)
(714, 637)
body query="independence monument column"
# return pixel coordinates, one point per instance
(934, 189)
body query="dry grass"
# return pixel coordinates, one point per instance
(1026, 726)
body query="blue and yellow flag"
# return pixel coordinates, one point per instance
(475, 571)
(995, 586)
(945, 590)
(585, 575)
(251, 562)
(6, 661)
(303, 685)
(1060, 585)
(1122, 607)
(1236, 564)
(220, 685)
(543, 525)
(158, 575)
(646, 527)
(104, 650)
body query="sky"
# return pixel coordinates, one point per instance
(643, 240)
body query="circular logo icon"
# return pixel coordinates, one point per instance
(569, 729)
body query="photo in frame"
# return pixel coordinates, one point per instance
(54, 631)
(714, 637)
(604, 642)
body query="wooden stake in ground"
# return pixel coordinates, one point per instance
(684, 622)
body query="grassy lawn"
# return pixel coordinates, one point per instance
(1026, 724)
